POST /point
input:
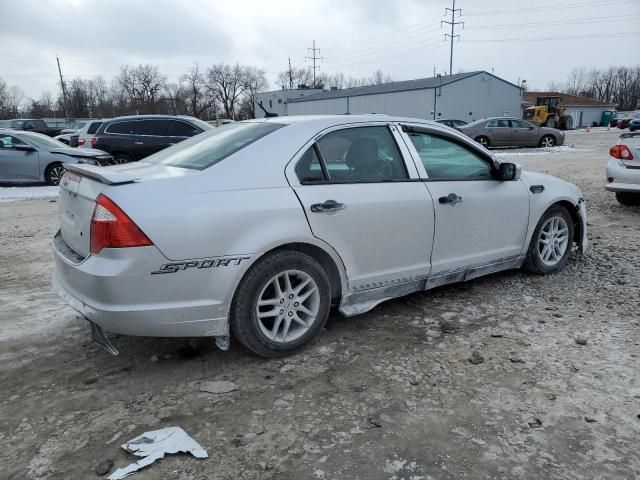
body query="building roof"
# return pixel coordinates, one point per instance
(567, 100)
(419, 84)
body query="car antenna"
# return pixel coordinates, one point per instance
(266, 112)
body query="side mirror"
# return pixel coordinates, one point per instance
(509, 171)
(530, 128)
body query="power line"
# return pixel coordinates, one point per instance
(314, 57)
(570, 37)
(453, 24)
(547, 8)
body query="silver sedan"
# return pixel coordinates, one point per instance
(623, 169)
(511, 132)
(33, 157)
(257, 229)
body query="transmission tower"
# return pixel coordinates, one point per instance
(452, 35)
(314, 57)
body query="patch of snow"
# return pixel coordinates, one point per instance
(12, 194)
(539, 151)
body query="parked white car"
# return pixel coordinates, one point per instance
(623, 169)
(255, 229)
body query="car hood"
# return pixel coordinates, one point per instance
(554, 131)
(79, 152)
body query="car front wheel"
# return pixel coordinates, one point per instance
(551, 243)
(54, 173)
(482, 140)
(547, 141)
(281, 304)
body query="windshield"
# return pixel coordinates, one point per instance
(77, 125)
(209, 148)
(42, 141)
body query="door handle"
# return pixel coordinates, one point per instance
(328, 206)
(452, 199)
(138, 143)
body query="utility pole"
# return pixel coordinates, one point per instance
(64, 92)
(314, 57)
(290, 76)
(451, 36)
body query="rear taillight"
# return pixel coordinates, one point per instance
(81, 141)
(94, 140)
(621, 152)
(112, 228)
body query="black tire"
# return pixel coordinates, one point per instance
(120, 158)
(550, 123)
(534, 262)
(547, 141)
(244, 321)
(53, 174)
(568, 122)
(628, 199)
(483, 140)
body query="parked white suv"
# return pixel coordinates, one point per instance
(623, 169)
(82, 137)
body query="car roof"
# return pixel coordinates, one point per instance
(340, 119)
(144, 117)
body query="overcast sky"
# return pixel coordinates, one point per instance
(537, 40)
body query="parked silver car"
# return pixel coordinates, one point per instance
(34, 157)
(257, 228)
(623, 169)
(511, 132)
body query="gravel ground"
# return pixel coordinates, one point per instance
(390, 394)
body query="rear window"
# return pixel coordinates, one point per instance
(120, 127)
(204, 150)
(156, 128)
(93, 128)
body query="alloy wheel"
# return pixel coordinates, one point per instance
(288, 306)
(553, 240)
(548, 142)
(55, 174)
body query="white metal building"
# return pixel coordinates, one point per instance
(463, 96)
(276, 101)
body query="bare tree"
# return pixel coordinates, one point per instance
(296, 76)
(15, 96)
(226, 84)
(194, 86)
(255, 81)
(143, 85)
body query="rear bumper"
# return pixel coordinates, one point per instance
(624, 179)
(116, 291)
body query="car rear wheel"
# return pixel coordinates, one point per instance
(551, 243)
(628, 199)
(53, 174)
(281, 304)
(120, 158)
(547, 141)
(482, 140)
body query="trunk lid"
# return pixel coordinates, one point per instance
(632, 141)
(81, 185)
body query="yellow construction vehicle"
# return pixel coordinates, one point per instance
(549, 112)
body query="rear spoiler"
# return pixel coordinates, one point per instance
(104, 175)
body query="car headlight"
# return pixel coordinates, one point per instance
(89, 161)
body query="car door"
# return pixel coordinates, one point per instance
(479, 220)
(523, 134)
(499, 132)
(17, 164)
(361, 197)
(180, 130)
(151, 136)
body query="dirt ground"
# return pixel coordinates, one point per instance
(385, 395)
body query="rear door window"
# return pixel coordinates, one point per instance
(178, 128)
(123, 128)
(152, 128)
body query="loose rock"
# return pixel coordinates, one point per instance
(476, 358)
(104, 467)
(581, 340)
